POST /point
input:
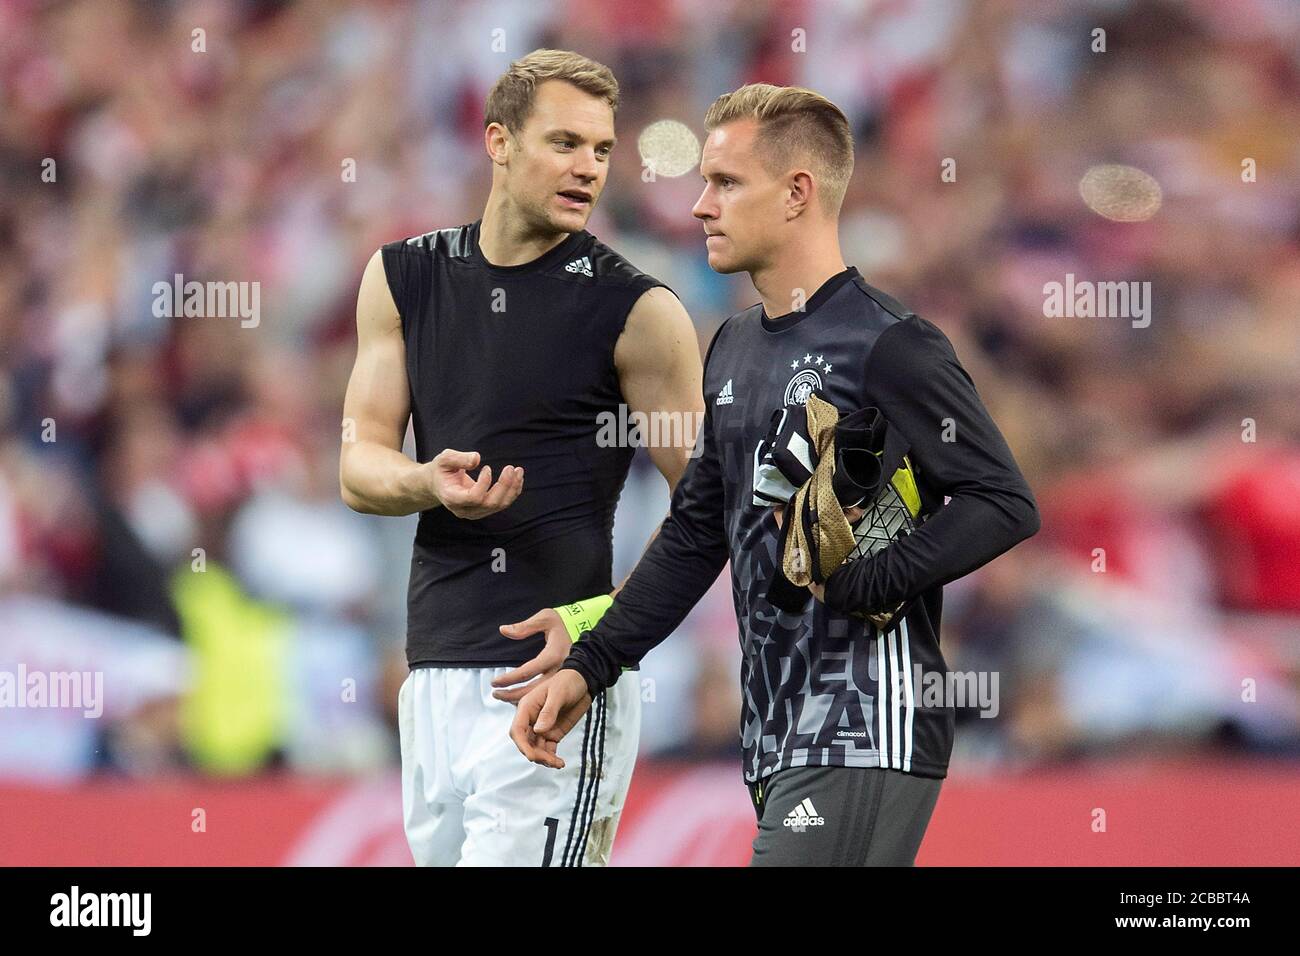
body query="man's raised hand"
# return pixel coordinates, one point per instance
(467, 498)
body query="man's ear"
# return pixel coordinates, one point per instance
(496, 138)
(800, 185)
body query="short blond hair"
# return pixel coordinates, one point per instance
(794, 123)
(511, 99)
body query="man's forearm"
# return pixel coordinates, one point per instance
(671, 577)
(679, 565)
(916, 380)
(965, 534)
(681, 560)
(379, 480)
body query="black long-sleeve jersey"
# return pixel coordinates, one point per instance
(822, 687)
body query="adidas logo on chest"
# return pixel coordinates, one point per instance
(581, 266)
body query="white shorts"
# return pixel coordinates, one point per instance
(470, 798)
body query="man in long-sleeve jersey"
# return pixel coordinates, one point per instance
(843, 755)
(506, 343)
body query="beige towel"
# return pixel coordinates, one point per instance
(835, 537)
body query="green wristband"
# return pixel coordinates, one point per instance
(581, 616)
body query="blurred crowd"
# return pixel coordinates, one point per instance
(169, 507)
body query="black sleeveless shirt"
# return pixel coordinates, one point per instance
(516, 363)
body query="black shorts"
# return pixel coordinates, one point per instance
(841, 816)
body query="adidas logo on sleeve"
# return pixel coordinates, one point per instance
(725, 397)
(802, 817)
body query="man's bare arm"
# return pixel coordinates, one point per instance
(375, 477)
(659, 371)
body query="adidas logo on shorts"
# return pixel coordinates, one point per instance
(802, 817)
(582, 265)
(725, 397)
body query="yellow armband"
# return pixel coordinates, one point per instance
(581, 616)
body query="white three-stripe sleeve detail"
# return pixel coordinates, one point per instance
(896, 760)
(881, 699)
(911, 698)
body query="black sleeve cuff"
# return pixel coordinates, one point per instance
(844, 588)
(594, 686)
